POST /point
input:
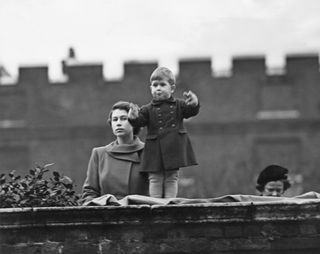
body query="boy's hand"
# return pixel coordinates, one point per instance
(133, 111)
(191, 98)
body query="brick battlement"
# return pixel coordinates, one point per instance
(197, 228)
(295, 64)
(85, 86)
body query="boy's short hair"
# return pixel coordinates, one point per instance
(123, 105)
(163, 72)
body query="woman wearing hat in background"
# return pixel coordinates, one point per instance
(273, 181)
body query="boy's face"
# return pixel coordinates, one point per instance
(161, 89)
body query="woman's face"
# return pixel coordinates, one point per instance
(273, 188)
(120, 124)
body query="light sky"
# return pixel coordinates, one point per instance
(39, 32)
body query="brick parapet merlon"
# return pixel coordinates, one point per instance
(295, 64)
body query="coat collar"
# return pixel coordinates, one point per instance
(127, 152)
(170, 100)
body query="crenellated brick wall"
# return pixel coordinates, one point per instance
(87, 93)
(195, 228)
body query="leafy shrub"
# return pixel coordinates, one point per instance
(35, 191)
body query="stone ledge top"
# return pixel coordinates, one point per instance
(160, 214)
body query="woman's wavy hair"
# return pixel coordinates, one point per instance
(123, 105)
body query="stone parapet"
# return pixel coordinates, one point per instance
(243, 227)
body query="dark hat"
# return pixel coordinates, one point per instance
(272, 173)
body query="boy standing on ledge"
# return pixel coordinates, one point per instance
(167, 147)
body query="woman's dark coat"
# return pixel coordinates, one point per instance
(167, 143)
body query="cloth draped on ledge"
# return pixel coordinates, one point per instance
(110, 200)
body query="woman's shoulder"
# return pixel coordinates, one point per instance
(101, 149)
(146, 107)
(139, 144)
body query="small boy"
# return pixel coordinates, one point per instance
(167, 145)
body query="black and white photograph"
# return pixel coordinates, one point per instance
(173, 126)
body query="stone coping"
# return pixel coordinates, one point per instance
(11, 218)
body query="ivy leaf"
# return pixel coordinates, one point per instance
(48, 165)
(24, 185)
(11, 174)
(66, 180)
(56, 174)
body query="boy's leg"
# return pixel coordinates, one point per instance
(171, 184)
(156, 184)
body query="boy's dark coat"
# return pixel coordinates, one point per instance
(167, 143)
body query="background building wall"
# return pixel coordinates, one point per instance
(247, 120)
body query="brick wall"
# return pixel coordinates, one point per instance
(60, 122)
(197, 228)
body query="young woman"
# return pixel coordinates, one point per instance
(115, 169)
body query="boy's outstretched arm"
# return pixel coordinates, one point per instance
(136, 116)
(133, 111)
(192, 104)
(191, 98)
